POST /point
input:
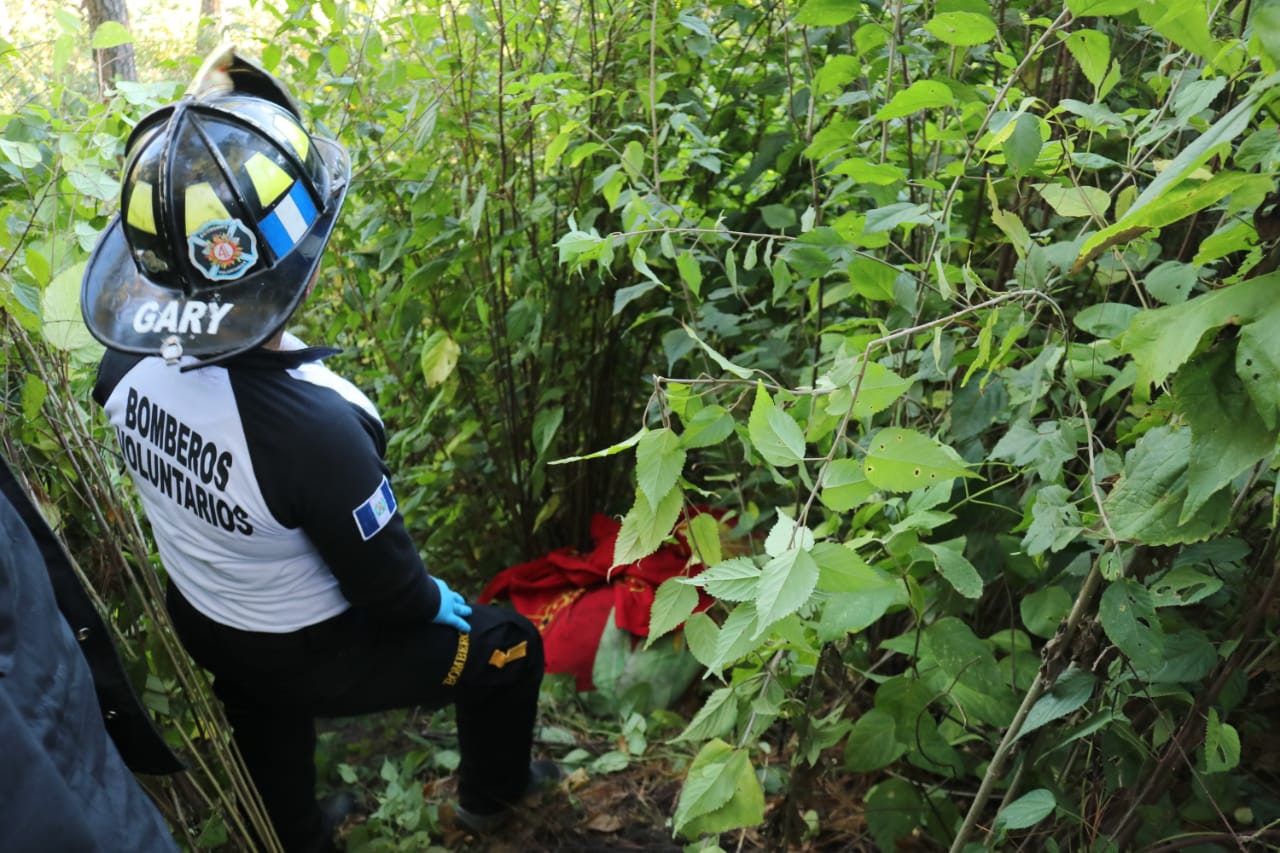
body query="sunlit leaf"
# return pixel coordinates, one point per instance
(438, 358)
(920, 95)
(903, 460)
(962, 29)
(110, 34)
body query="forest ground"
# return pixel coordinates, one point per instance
(622, 810)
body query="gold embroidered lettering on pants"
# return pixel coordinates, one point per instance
(459, 660)
(499, 658)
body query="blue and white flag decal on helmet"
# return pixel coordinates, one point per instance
(285, 225)
(374, 514)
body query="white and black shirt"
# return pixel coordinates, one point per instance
(264, 483)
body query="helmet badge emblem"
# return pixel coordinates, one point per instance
(223, 249)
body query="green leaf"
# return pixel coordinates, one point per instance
(1221, 745)
(438, 358)
(611, 450)
(34, 393)
(1182, 586)
(703, 534)
(1171, 282)
(659, 461)
(775, 434)
(965, 669)
(1046, 446)
(1099, 8)
(786, 583)
(626, 295)
(962, 29)
(891, 216)
(1055, 521)
(646, 526)
(872, 743)
(725, 364)
(861, 593)
(1105, 319)
(1192, 157)
(827, 13)
(720, 793)
(24, 155)
(1188, 657)
(1021, 150)
(546, 423)
(1174, 206)
(1228, 435)
(1146, 505)
(711, 425)
(1163, 339)
(737, 636)
(840, 569)
(1069, 693)
(1128, 617)
(786, 534)
(1075, 201)
(880, 389)
(893, 811)
(717, 717)
(1028, 810)
(64, 325)
(1092, 50)
(920, 95)
(690, 271)
(703, 635)
(1183, 22)
(1258, 365)
(1265, 18)
(1043, 609)
(672, 604)
(949, 559)
(902, 460)
(339, 59)
(475, 214)
(845, 485)
(735, 579)
(110, 34)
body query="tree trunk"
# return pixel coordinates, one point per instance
(114, 63)
(209, 33)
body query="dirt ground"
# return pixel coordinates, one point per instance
(629, 809)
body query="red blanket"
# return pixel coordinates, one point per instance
(568, 594)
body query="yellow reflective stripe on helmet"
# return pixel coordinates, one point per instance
(203, 206)
(140, 215)
(296, 136)
(268, 178)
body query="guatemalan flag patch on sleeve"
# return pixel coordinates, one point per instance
(373, 515)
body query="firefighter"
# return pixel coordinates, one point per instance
(291, 576)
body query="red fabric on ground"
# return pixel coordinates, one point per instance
(568, 594)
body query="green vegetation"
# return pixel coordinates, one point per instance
(962, 311)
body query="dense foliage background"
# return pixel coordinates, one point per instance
(962, 312)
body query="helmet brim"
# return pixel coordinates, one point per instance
(126, 311)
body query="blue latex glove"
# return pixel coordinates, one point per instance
(453, 607)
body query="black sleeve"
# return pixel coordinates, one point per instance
(318, 461)
(111, 370)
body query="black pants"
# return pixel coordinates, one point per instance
(273, 686)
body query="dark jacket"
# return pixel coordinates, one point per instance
(64, 786)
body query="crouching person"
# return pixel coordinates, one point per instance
(292, 578)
